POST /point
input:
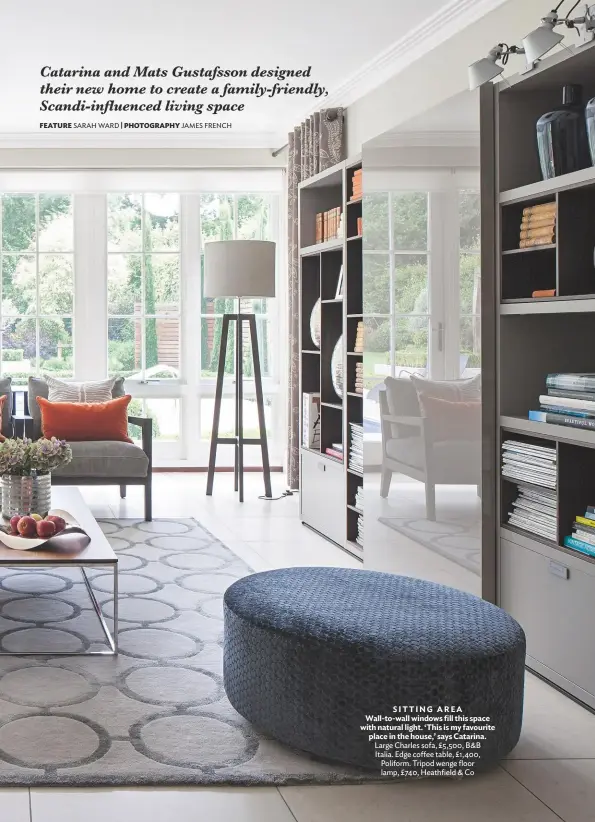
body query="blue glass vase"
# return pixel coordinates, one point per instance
(562, 136)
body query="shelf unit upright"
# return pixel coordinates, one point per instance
(548, 588)
(328, 486)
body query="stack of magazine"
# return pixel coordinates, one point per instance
(582, 538)
(360, 531)
(527, 462)
(356, 450)
(535, 509)
(570, 400)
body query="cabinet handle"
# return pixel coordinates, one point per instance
(321, 466)
(559, 570)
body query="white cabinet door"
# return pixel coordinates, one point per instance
(322, 496)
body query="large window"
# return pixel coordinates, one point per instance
(421, 278)
(143, 286)
(129, 246)
(37, 303)
(242, 217)
(469, 280)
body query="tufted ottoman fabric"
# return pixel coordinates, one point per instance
(310, 652)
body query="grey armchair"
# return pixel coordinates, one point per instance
(101, 462)
(415, 445)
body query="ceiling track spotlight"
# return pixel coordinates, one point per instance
(492, 66)
(535, 45)
(543, 39)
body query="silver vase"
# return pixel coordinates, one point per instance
(26, 495)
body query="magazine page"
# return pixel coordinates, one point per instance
(297, 411)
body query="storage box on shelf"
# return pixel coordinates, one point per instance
(545, 325)
(331, 303)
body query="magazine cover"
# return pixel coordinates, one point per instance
(297, 411)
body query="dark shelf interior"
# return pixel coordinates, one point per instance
(535, 345)
(354, 278)
(330, 269)
(332, 329)
(576, 482)
(331, 429)
(313, 201)
(576, 242)
(522, 274)
(310, 295)
(521, 105)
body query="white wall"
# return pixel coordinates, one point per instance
(441, 73)
(152, 158)
(422, 156)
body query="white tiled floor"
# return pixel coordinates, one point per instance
(549, 776)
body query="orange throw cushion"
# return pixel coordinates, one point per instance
(3, 399)
(85, 421)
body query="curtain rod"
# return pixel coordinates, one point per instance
(278, 151)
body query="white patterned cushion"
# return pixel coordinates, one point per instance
(60, 391)
(452, 390)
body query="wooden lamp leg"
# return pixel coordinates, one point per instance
(266, 468)
(218, 399)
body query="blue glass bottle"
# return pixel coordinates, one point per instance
(562, 136)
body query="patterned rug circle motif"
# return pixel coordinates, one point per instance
(157, 713)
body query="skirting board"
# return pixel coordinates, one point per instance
(559, 682)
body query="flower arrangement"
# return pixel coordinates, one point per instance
(25, 457)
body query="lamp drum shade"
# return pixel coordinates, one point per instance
(239, 268)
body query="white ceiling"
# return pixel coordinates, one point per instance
(340, 39)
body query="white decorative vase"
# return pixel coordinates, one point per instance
(315, 323)
(26, 495)
(337, 368)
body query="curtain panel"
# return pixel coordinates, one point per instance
(313, 146)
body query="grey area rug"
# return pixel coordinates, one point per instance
(457, 538)
(157, 714)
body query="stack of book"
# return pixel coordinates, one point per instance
(356, 185)
(526, 462)
(536, 511)
(360, 531)
(359, 499)
(359, 378)
(570, 400)
(538, 225)
(356, 449)
(311, 420)
(583, 533)
(329, 225)
(359, 338)
(335, 450)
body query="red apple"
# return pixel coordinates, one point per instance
(58, 522)
(14, 521)
(27, 527)
(45, 529)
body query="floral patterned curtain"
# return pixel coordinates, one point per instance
(315, 145)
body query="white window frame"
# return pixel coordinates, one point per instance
(38, 315)
(90, 189)
(443, 252)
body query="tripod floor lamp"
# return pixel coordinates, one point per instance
(238, 269)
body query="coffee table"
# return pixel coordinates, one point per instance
(97, 554)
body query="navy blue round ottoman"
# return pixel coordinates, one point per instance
(311, 652)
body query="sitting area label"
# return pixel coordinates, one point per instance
(422, 741)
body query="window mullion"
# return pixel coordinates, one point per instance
(90, 287)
